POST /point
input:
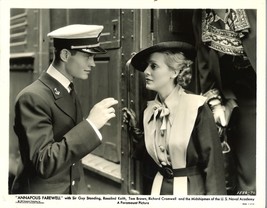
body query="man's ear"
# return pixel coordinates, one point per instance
(64, 55)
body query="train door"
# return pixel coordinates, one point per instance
(151, 27)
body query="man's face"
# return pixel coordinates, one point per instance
(79, 65)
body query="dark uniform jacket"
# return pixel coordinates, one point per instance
(52, 140)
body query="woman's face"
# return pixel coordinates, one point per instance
(159, 77)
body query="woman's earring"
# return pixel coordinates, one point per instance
(180, 78)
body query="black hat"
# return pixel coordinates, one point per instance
(139, 61)
(78, 37)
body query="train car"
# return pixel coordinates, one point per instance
(111, 168)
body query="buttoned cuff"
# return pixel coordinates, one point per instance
(96, 130)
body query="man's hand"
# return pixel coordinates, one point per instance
(219, 115)
(102, 112)
(215, 103)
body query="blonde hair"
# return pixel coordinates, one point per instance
(178, 61)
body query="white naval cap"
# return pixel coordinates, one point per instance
(80, 37)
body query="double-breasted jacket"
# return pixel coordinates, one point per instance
(52, 140)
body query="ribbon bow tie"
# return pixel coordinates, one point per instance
(160, 111)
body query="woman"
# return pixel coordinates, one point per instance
(179, 131)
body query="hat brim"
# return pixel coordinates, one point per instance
(95, 50)
(139, 61)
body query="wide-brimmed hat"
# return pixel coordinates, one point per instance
(139, 61)
(80, 37)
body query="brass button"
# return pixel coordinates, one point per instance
(161, 147)
(163, 163)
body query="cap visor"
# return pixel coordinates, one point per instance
(96, 50)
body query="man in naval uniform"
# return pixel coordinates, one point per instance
(53, 136)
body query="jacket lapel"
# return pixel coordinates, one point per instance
(150, 131)
(183, 123)
(62, 98)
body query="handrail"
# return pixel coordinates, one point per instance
(131, 188)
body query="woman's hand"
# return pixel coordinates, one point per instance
(129, 117)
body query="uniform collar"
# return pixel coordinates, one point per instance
(62, 98)
(53, 72)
